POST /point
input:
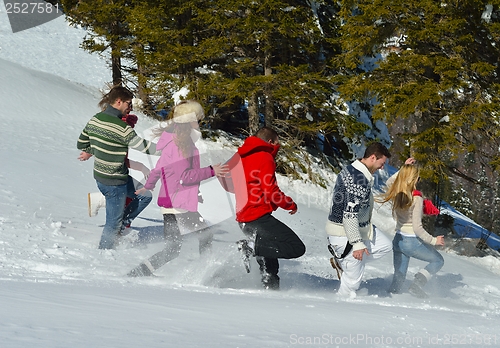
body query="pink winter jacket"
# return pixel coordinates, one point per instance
(180, 177)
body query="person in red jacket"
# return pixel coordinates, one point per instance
(256, 198)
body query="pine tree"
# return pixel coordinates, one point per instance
(269, 54)
(268, 59)
(107, 26)
(436, 76)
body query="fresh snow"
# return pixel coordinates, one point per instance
(58, 290)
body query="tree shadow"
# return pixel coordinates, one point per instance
(154, 233)
(149, 234)
(438, 286)
(377, 286)
(442, 284)
(305, 282)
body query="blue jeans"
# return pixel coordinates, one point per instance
(406, 247)
(115, 195)
(139, 202)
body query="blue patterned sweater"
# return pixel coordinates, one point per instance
(352, 204)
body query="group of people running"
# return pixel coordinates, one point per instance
(352, 238)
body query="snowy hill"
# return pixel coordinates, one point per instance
(58, 290)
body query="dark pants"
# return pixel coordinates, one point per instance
(273, 240)
(193, 222)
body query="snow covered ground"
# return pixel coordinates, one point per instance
(58, 290)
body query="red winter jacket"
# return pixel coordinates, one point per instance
(262, 195)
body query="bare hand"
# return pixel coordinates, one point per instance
(84, 156)
(410, 160)
(440, 240)
(145, 171)
(220, 169)
(358, 254)
(141, 191)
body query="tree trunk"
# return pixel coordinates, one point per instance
(253, 114)
(142, 80)
(116, 66)
(269, 107)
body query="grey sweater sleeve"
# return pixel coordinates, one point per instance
(418, 228)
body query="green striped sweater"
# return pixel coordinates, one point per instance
(108, 139)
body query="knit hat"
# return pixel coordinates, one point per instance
(188, 111)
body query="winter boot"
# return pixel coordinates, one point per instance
(96, 201)
(269, 278)
(270, 282)
(397, 283)
(417, 285)
(246, 252)
(124, 229)
(145, 269)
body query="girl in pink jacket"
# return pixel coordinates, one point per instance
(179, 173)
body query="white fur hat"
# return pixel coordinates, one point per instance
(188, 111)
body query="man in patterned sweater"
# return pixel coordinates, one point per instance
(352, 238)
(107, 137)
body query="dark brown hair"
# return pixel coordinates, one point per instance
(117, 92)
(377, 149)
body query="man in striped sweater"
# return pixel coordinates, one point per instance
(107, 137)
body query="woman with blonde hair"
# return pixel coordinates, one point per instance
(411, 239)
(179, 172)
